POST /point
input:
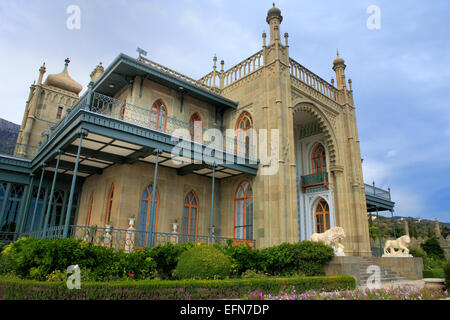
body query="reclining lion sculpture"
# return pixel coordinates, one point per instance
(401, 244)
(331, 237)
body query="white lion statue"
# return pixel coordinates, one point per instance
(401, 244)
(331, 237)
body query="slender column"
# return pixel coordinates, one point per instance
(212, 205)
(38, 194)
(153, 202)
(24, 215)
(379, 233)
(72, 188)
(49, 206)
(22, 208)
(5, 202)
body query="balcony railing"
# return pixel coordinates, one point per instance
(126, 239)
(313, 180)
(377, 192)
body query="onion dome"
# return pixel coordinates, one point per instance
(274, 12)
(338, 60)
(64, 81)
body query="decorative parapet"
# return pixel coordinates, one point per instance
(319, 86)
(174, 73)
(241, 70)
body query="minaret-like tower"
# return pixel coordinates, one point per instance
(274, 19)
(46, 105)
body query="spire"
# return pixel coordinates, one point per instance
(42, 70)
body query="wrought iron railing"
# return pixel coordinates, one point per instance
(314, 179)
(126, 239)
(159, 121)
(377, 192)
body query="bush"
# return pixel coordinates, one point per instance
(203, 262)
(161, 289)
(417, 252)
(447, 273)
(433, 248)
(39, 259)
(166, 257)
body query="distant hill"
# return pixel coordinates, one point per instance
(8, 136)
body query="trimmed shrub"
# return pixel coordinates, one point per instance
(417, 252)
(203, 262)
(166, 257)
(11, 289)
(434, 273)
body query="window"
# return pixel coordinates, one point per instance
(158, 115)
(318, 159)
(196, 127)
(146, 215)
(88, 218)
(59, 113)
(243, 124)
(190, 216)
(58, 208)
(243, 212)
(322, 216)
(109, 204)
(10, 216)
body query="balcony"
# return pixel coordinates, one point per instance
(314, 180)
(378, 199)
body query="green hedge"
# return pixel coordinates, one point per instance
(12, 289)
(434, 273)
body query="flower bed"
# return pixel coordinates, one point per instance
(357, 294)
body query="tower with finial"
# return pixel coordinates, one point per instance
(274, 19)
(47, 104)
(339, 68)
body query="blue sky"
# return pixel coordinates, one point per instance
(400, 73)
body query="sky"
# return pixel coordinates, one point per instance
(400, 70)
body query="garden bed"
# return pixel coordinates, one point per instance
(12, 289)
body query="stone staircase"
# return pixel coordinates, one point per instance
(386, 274)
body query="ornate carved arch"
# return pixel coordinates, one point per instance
(325, 126)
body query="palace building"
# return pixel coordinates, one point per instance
(101, 166)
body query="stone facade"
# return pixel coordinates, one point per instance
(278, 93)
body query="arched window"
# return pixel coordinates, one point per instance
(88, 218)
(196, 127)
(109, 205)
(322, 216)
(243, 212)
(158, 115)
(243, 124)
(318, 159)
(190, 216)
(146, 215)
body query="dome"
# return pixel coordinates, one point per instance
(274, 12)
(338, 60)
(64, 81)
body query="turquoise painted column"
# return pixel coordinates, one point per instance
(211, 223)
(50, 200)
(25, 209)
(5, 202)
(39, 192)
(21, 213)
(72, 188)
(152, 205)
